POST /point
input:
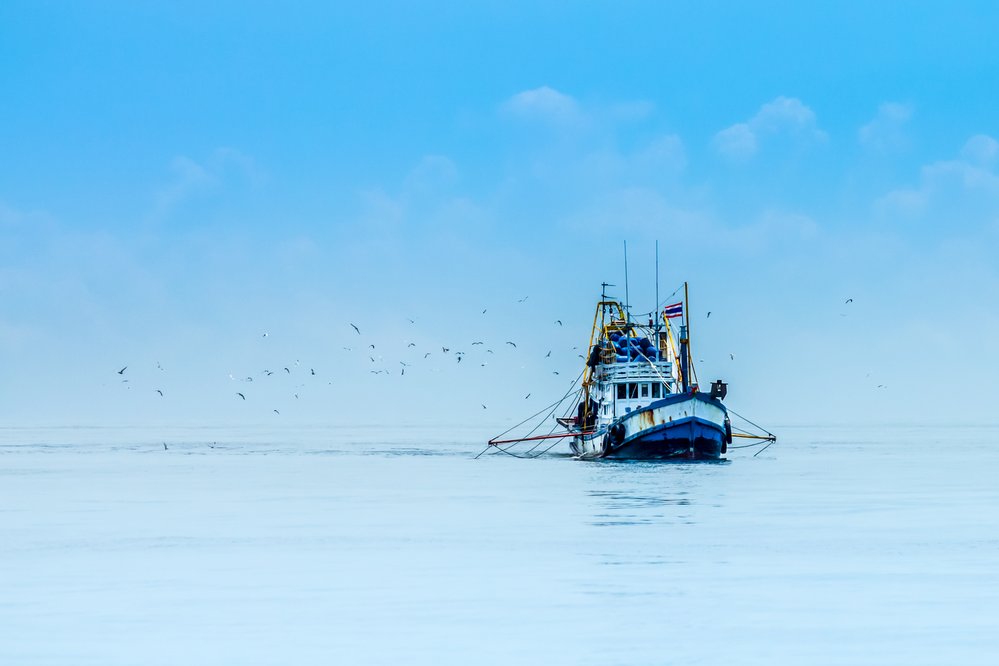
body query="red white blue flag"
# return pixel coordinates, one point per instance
(673, 311)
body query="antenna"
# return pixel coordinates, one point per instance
(655, 313)
(627, 298)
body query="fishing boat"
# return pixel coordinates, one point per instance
(640, 398)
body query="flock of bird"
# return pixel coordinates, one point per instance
(378, 367)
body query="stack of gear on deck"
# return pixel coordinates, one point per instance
(633, 348)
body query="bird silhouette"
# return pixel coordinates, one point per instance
(411, 344)
(411, 321)
(276, 412)
(732, 356)
(287, 370)
(709, 315)
(511, 344)
(160, 392)
(426, 355)
(459, 359)
(445, 349)
(241, 396)
(356, 329)
(527, 396)
(523, 299)
(548, 354)
(478, 343)
(371, 346)
(165, 447)
(483, 406)
(849, 300)
(122, 371)
(312, 371)
(558, 321)
(264, 335)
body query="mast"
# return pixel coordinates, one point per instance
(655, 313)
(627, 298)
(685, 343)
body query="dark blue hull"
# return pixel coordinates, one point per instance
(687, 439)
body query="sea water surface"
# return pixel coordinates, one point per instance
(377, 546)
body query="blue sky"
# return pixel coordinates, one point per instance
(176, 180)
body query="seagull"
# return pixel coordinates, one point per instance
(268, 372)
(411, 321)
(160, 367)
(523, 299)
(849, 300)
(122, 371)
(371, 346)
(287, 370)
(558, 321)
(483, 406)
(348, 349)
(489, 351)
(372, 358)
(527, 396)
(404, 364)
(296, 396)
(264, 335)
(478, 343)
(356, 329)
(511, 344)
(165, 447)
(411, 344)
(554, 372)
(276, 412)
(549, 353)
(732, 356)
(459, 359)
(160, 392)
(484, 311)
(403, 373)
(426, 355)
(241, 396)
(445, 349)
(709, 315)
(312, 370)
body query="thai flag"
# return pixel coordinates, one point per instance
(673, 311)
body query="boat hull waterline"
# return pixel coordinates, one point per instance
(690, 426)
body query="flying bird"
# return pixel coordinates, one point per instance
(478, 343)
(527, 396)
(411, 344)
(554, 372)
(160, 392)
(287, 370)
(709, 315)
(356, 329)
(158, 366)
(849, 300)
(371, 346)
(122, 371)
(459, 359)
(312, 370)
(523, 299)
(411, 321)
(549, 353)
(445, 349)
(483, 406)
(426, 355)
(276, 412)
(484, 311)
(264, 335)
(511, 344)
(241, 396)
(296, 396)
(558, 321)
(165, 447)
(732, 356)
(348, 349)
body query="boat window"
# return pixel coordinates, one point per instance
(655, 390)
(622, 391)
(645, 390)
(632, 390)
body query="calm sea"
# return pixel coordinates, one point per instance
(368, 546)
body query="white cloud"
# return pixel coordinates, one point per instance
(737, 142)
(784, 116)
(952, 192)
(190, 177)
(546, 104)
(884, 133)
(981, 149)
